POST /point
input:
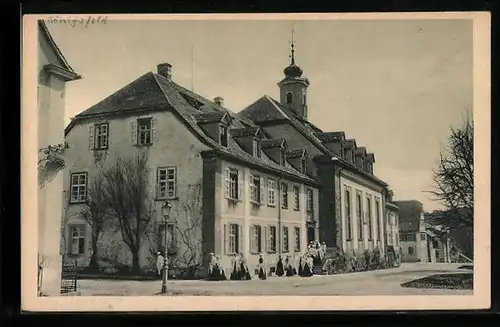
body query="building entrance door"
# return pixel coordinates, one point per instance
(310, 234)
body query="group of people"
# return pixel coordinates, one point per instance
(314, 256)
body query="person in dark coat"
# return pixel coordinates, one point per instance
(279, 267)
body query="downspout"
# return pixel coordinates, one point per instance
(340, 205)
(279, 231)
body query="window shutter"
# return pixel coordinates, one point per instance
(240, 240)
(266, 238)
(133, 127)
(226, 239)
(226, 183)
(262, 188)
(153, 130)
(252, 239)
(240, 185)
(91, 137)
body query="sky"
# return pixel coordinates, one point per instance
(396, 86)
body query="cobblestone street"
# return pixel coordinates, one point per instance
(381, 282)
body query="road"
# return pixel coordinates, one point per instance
(380, 282)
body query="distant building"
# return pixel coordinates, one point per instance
(53, 73)
(412, 233)
(392, 221)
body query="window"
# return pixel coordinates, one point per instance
(303, 165)
(78, 187)
(377, 215)
(167, 183)
(223, 135)
(271, 239)
(256, 234)
(422, 236)
(359, 215)
(435, 244)
(297, 239)
(256, 148)
(170, 237)
(234, 238)
(101, 136)
(284, 196)
(310, 200)
(304, 99)
(271, 192)
(369, 217)
(282, 157)
(409, 237)
(144, 131)
(289, 98)
(255, 189)
(285, 239)
(77, 244)
(410, 250)
(348, 214)
(296, 198)
(232, 190)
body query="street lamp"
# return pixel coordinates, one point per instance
(166, 214)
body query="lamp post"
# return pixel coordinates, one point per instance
(166, 213)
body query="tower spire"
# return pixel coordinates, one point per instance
(292, 56)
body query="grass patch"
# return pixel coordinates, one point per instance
(443, 281)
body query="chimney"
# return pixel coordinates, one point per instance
(219, 101)
(165, 70)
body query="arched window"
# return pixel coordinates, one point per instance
(289, 98)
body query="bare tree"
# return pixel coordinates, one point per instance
(95, 213)
(130, 201)
(454, 179)
(188, 229)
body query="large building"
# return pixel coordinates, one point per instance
(53, 73)
(392, 221)
(265, 180)
(412, 231)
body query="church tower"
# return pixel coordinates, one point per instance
(293, 88)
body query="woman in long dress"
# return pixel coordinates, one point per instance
(289, 267)
(244, 271)
(221, 272)
(262, 268)
(279, 267)
(301, 262)
(235, 272)
(307, 270)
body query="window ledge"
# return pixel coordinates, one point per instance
(143, 145)
(257, 204)
(167, 199)
(284, 208)
(271, 205)
(231, 200)
(296, 209)
(77, 202)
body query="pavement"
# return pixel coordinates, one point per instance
(378, 282)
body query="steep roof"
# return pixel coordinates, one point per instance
(273, 143)
(62, 61)
(266, 110)
(154, 92)
(410, 212)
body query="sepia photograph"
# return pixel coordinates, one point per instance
(193, 157)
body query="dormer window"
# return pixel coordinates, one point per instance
(223, 135)
(303, 165)
(256, 148)
(289, 98)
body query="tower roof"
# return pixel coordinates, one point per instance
(292, 70)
